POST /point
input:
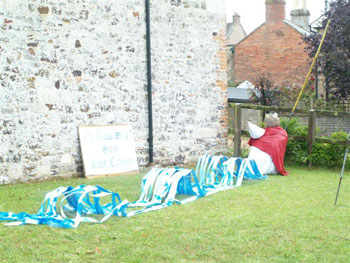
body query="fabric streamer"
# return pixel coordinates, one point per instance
(81, 200)
(160, 188)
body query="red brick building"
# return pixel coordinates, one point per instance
(276, 48)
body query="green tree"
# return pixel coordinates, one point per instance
(334, 59)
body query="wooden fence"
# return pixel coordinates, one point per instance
(311, 138)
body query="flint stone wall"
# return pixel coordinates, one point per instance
(66, 63)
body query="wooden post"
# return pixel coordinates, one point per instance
(237, 127)
(311, 131)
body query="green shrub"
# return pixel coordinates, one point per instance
(323, 154)
(329, 155)
(294, 127)
(296, 151)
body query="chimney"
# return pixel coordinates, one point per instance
(275, 11)
(236, 18)
(300, 17)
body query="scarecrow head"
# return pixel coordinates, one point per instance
(272, 120)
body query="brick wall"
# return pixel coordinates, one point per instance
(275, 49)
(275, 11)
(70, 63)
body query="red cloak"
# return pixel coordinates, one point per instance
(274, 143)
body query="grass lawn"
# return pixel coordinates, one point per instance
(282, 219)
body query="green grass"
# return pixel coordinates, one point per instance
(282, 219)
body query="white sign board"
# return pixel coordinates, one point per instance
(107, 150)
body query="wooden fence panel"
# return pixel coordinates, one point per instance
(311, 138)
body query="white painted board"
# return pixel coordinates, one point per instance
(107, 150)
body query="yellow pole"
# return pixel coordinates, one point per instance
(311, 67)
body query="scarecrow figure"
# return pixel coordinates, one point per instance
(268, 146)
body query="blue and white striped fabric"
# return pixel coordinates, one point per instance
(81, 200)
(160, 188)
(213, 174)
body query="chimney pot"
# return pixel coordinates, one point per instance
(300, 17)
(236, 18)
(275, 11)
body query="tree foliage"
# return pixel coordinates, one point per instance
(334, 59)
(265, 91)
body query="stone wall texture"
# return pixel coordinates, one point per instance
(66, 63)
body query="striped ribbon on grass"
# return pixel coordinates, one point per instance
(81, 201)
(161, 187)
